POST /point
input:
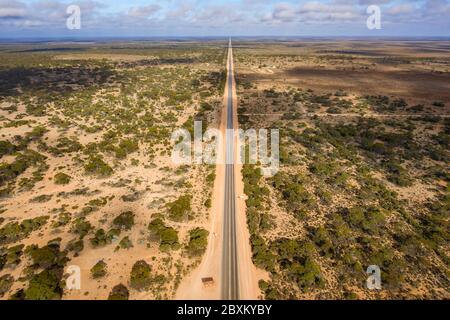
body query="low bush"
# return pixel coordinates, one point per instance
(96, 166)
(119, 292)
(180, 209)
(99, 270)
(6, 282)
(13, 256)
(45, 286)
(102, 238)
(15, 231)
(198, 241)
(168, 237)
(62, 178)
(81, 227)
(140, 278)
(124, 221)
(125, 243)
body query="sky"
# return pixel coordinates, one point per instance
(198, 18)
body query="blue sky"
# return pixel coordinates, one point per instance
(47, 18)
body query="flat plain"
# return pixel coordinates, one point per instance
(86, 176)
(364, 166)
(87, 180)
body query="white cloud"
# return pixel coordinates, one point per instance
(145, 11)
(244, 15)
(405, 8)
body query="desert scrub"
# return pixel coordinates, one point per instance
(6, 283)
(296, 261)
(125, 221)
(23, 161)
(93, 206)
(99, 270)
(198, 241)
(13, 256)
(15, 231)
(97, 167)
(180, 209)
(42, 198)
(81, 227)
(45, 286)
(75, 246)
(62, 219)
(140, 278)
(119, 292)
(132, 197)
(6, 148)
(126, 147)
(125, 243)
(167, 236)
(62, 178)
(64, 146)
(102, 238)
(295, 197)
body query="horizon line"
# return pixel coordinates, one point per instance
(182, 37)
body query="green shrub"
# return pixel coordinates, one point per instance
(6, 282)
(125, 243)
(156, 226)
(102, 238)
(140, 275)
(270, 292)
(306, 275)
(62, 178)
(76, 246)
(96, 166)
(43, 257)
(13, 255)
(45, 286)
(81, 227)
(62, 220)
(168, 237)
(124, 221)
(126, 147)
(6, 148)
(366, 219)
(322, 240)
(23, 161)
(64, 146)
(99, 270)
(133, 197)
(42, 198)
(296, 198)
(180, 209)
(119, 292)
(262, 256)
(198, 241)
(2, 259)
(398, 175)
(15, 231)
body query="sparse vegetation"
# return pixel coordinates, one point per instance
(355, 182)
(100, 121)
